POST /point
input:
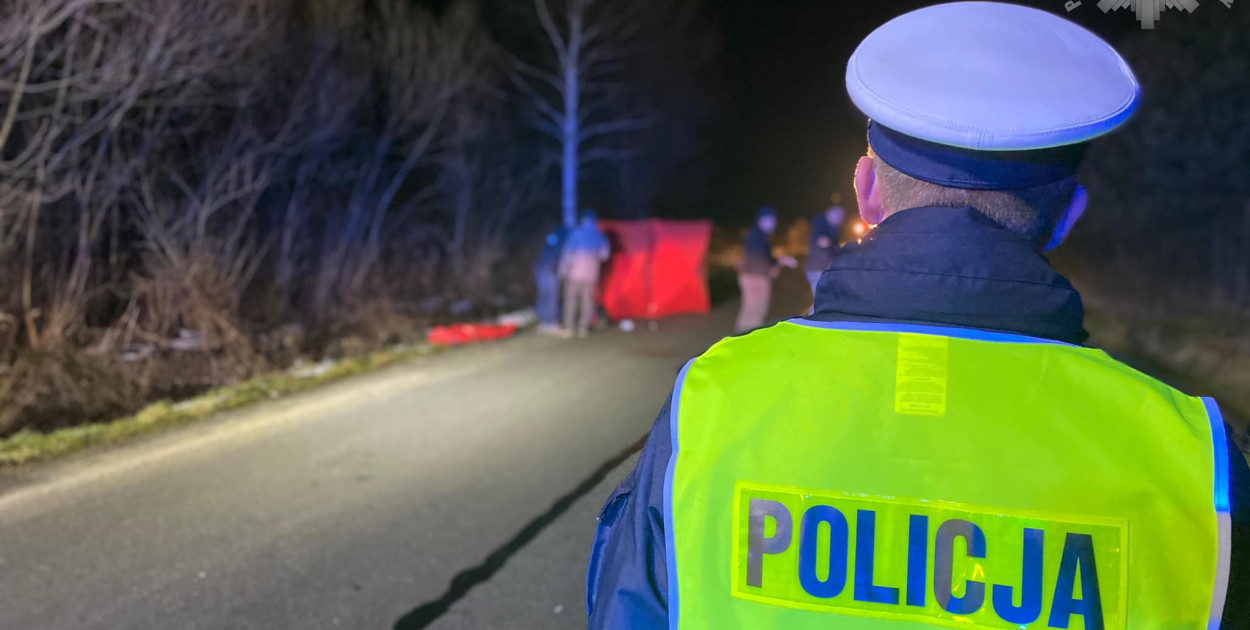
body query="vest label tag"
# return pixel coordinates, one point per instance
(920, 379)
(926, 561)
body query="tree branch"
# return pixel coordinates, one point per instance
(553, 32)
(615, 126)
(600, 154)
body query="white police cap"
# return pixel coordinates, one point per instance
(988, 76)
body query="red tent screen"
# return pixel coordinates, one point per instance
(657, 268)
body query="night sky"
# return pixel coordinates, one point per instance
(784, 132)
(791, 135)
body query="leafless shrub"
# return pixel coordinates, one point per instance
(421, 62)
(177, 176)
(49, 390)
(576, 93)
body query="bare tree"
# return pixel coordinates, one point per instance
(89, 93)
(475, 126)
(506, 185)
(575, 96)
(217, 166)
(421, 66)
(320, 112)
(28, 31)
(486, 186)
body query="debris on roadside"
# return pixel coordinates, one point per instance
(302, 369)
(521, 319)
(187, 340)
(137, 352)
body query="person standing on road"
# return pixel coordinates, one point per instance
(547, 282)
(933, 445)
(583, 254)
(826, 230)
(756, 271)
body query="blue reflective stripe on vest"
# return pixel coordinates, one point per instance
(1220, 439)
(1223, 507)
(941, 331)
(670, 550)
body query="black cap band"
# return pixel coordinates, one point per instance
(954, 167)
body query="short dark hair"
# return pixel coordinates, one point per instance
(1029, 212)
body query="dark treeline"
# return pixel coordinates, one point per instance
(1169, 220)
(253, 179)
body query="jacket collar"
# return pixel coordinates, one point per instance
(951, 267)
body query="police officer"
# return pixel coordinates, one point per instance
(756, 271)
(826, 230)
(933, 447)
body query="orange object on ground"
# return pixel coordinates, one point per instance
(657, 268)
(459, 334)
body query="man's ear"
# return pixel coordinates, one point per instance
(867, 192)
(1064, 226)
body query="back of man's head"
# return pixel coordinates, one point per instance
(1031, 213)
(989, 105)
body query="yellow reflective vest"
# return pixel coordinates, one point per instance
(857, 476)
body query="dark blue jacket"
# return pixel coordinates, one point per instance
(548, 261)
(935, 266)
(757, 253)
(818, 258)
(585, 238)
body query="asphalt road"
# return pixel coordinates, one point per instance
(352, 506)
(458, 492)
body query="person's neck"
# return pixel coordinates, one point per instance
(954, 267)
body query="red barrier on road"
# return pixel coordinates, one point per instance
(459, 334)
(657, 268)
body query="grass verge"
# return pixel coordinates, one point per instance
(29, 446)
